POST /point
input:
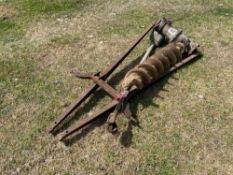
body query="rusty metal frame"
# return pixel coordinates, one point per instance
(99, 81)
(102, 76)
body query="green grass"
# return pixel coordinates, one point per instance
(13, 26)
(10, 30)
(34, 7)
(65, 39)
(224, 11)
(185, 120)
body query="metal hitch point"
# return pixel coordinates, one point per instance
(119, 98)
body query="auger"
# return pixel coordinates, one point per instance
(154, 67)
(178, 51)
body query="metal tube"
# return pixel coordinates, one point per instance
(148, 51)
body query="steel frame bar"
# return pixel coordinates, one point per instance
(105, 86)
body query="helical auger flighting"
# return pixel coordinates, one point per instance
(154, 67)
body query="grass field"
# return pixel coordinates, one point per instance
(186, 120)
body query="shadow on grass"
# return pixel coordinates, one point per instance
(145, 98)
